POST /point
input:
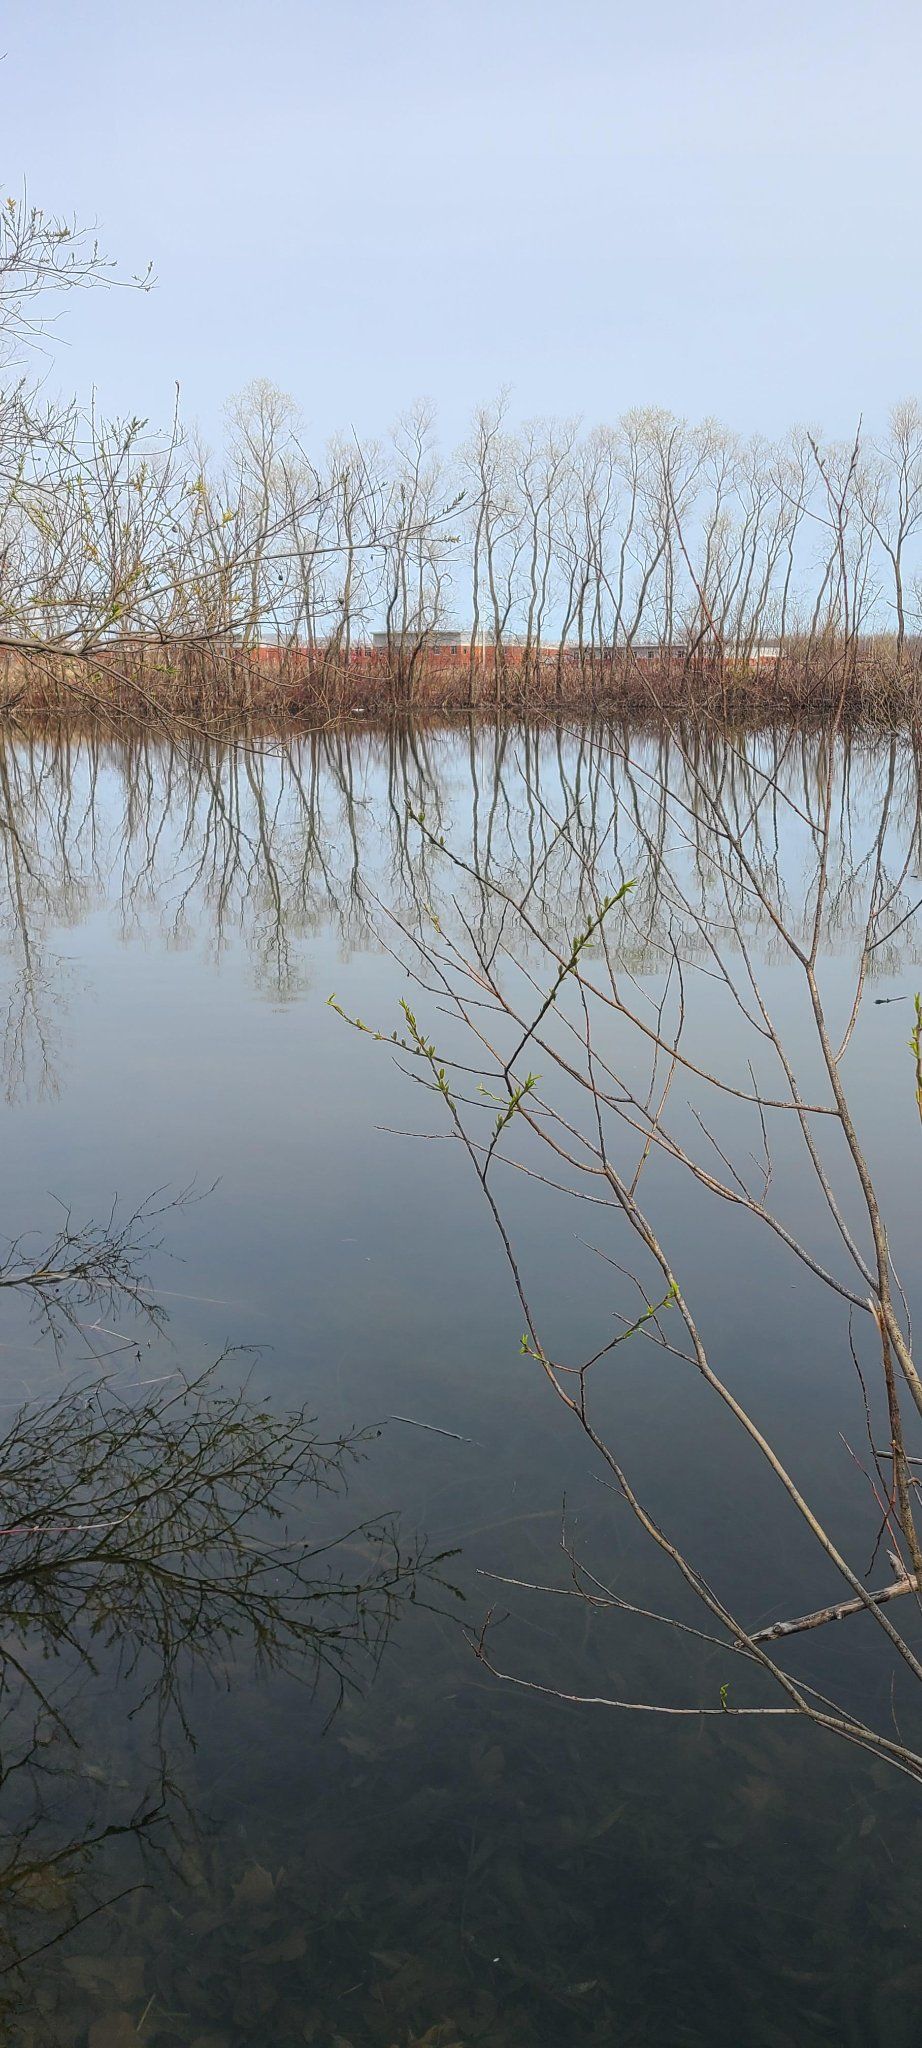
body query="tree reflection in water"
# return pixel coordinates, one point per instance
(155, 1534)
(266, 849)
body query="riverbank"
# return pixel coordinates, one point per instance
(224, 686)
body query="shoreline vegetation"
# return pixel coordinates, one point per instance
(224, 686)
(647, 566)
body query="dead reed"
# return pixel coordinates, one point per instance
(210, 681)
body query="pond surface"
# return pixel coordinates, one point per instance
(449, 1858)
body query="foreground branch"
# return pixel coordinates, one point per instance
(838, 1612)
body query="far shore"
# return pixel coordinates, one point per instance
(218, 686)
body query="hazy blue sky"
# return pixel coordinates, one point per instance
(711, 206)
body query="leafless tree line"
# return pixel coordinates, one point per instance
(558, 559)
(551, 556)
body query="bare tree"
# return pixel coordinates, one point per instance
(893, 498)
(569, 1073)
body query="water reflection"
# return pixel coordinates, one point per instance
(447, 1864)
(159, 1536)
(197, 842)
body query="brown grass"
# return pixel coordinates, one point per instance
(221, 685)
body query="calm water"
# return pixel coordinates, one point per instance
(447, 1859)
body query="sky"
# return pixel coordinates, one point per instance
(712, 207)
